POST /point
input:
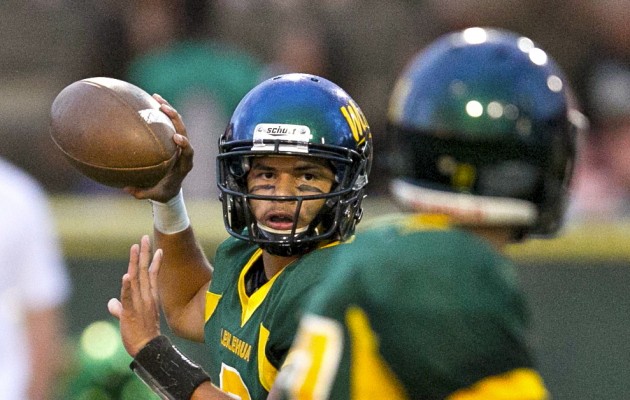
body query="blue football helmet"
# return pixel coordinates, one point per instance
(296, 115)
(486, 124)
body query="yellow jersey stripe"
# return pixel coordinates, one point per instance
(250, 304)
(371, 377)
(266, 371)
(518, 384)
(212, 300)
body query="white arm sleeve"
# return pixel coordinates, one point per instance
(29, 243)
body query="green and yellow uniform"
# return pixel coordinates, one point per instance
(249, 335)
(414, 311)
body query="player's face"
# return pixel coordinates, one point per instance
(287, 176)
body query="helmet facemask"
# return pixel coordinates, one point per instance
(335, 220)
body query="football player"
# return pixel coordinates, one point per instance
(292, 170)
(426, 306)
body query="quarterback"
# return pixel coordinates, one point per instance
(292, 168)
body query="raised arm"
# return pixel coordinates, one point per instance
(186, 272)
(183, 282)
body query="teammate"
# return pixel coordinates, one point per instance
(292, 169)
(425, 306)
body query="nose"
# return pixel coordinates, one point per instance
(285, 186)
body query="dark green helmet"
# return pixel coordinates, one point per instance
(484, 120)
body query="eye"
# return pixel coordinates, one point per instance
(309, 177)
(267, 175)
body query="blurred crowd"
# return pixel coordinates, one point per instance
(203, 56)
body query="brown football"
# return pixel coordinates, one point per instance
(113, 132)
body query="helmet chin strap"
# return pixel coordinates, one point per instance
(284, 246)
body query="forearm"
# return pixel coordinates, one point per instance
(183, 279)
(45, 337)
(207, 391)
(185, 271)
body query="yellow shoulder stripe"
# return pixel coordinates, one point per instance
(518, 384)
(370, 377)
(425, 222)
(212, 300)
(333, 243)
(266, 371)
(250, 304)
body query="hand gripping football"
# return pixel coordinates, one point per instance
(113, 132)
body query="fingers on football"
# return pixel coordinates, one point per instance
(185, 160)
(159, 98)
(172, 113)
(135, 192)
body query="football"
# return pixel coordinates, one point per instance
(113, 132)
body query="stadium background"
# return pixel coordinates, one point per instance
(577, 284)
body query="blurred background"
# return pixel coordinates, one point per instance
(203, 56)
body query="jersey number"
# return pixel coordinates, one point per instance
(312, 363)
(232, 382)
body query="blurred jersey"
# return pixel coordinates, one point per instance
(414, 310)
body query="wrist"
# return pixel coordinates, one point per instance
(172, 216)
(166, 370)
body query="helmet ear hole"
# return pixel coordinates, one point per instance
(235, 212)
(239, 167)
(353, 215)
(517, 179)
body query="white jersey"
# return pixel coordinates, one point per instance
(32, 273)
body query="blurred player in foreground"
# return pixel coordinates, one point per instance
(34, 287)
(292, 168)
(425, 306)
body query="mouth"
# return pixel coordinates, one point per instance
(279, 221)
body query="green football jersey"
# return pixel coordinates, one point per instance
(248, 337)
(414, 311)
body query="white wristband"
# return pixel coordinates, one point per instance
(170, 217)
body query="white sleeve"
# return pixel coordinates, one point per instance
(38, 259)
